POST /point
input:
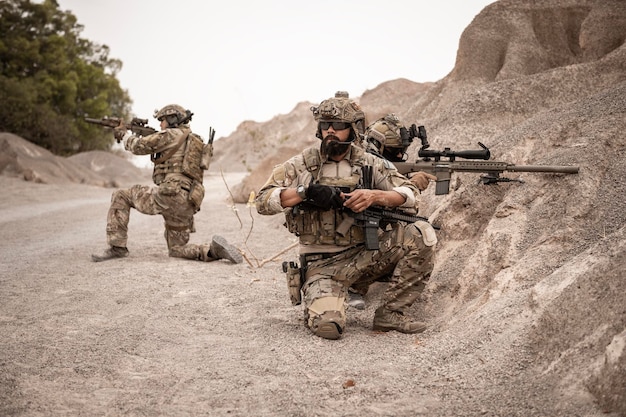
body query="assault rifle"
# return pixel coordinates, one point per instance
(432, 163)
(137, 126)
(370, 219)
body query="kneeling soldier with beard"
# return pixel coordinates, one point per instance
(317, 190)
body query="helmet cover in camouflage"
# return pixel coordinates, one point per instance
(385, 133)
(340, 108)
(171, 109)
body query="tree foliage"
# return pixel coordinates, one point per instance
(51, 78)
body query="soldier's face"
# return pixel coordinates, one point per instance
(334, 139)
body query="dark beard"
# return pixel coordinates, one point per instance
(332, 147)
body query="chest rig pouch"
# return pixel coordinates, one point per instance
(326, 227)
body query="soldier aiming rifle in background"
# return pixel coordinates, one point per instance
(180, 158)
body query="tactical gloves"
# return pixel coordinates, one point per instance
(323, 196)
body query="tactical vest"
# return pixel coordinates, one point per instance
(185, 159)
(330, 227)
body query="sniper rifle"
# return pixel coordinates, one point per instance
(433, 163)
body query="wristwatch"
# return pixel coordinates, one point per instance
(301, 190)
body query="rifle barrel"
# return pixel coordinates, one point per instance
(479, 166)
(564, 169)
(103, 122)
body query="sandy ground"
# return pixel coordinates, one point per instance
(150, 335)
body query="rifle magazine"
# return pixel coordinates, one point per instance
(442, 187)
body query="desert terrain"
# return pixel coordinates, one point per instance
(526, 305)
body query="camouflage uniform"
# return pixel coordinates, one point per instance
(177, 154)
(385, 138)
(335, 261)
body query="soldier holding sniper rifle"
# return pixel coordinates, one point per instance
(388, 138)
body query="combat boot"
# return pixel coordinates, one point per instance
(221, 249)
(386, 320)
(112, 253)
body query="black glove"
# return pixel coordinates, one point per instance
(324, 196)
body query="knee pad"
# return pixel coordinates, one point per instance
(327, 317)
(427, 231)
(327, 325)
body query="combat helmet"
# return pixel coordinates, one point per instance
(388, 137)
(340, 108)
(173, 114)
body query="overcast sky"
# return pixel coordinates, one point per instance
(231, 61)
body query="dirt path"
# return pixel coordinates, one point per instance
(149, 335)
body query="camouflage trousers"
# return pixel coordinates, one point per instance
(402, 256)
(176, 209)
